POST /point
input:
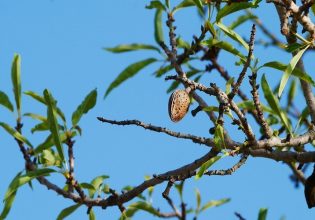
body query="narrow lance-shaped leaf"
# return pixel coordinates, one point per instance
(15, 133)
(262, 214)
(5, 101)
(16, 82)
(289, 69)
(52, 122)
(167, 3)
(296, 72)
(241, 19)
(199, 5)
(225, 46)
(198, 199)
(129, 72)
(158, 26)
(291, 93)
(233, 7)
(233, 35)
(206, 165)
(302, 117)
(131, 47)
(21, 180)
(87, 104)
(9, 201)
(92, 215)
(67, 211)
(145, 207)
(156, 4)
(274, 103)
(183, 4)
(214, 203)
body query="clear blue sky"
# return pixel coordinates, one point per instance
(61, 47)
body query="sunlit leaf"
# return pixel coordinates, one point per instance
(96, 183)
(249, 105)
(274, 103)
(156, 4)
(293, 47)
(160, 72)
(21, 180)
(225, 46)
(16, 81)
(15, 133)
(199, 5)
(5, 101)
(198, 199)
(235, 6)
(296, 72)
(52, 122)
(87, 104)
(36, 116)
(9, 201)
(206, 165)
(233, 35)
(262, 214)
(129, 72)
(67, 211)
(184, 4)
(241, 19)
(290, 69)
(43, 126)
(209, 26)
(145, 207)
(228, 85)
(215, 203)
(131, 47)
(219, 137)
(291, 93)
(92, 215)
(158, 26)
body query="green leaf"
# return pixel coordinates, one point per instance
(96, 183)
(302, 117)
(131, 47)
(262, 214)
(92, 215)
(87, 104)
(5, 101)
(43, 126)
(167, 3)
(233, 35)
(296, 72)
(236, 6)
(156, 4)
(9, 201)
(35, 96)
(219, 137)
(313, 8)
(52, 122)
(228, 85)
(162, 70)
(225, 46)
(49, 142)
(293, 47)
(15, 133)
(274, 103)
(249, 105)
(145, 207)
(199, 5)
(206, 165)
(209, 26)
(214, 203)
(87, 186)
(198, 199)
(41, 99)
(21, 180)
(36, 116)
(184, 4)
(129, 72)
(158, 26)
(291, 93)
(67, 211)
(290, 69)
(241, 19)
(16, 82)
(179, 187)
(182, 44)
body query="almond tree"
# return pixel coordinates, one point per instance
(287, 131)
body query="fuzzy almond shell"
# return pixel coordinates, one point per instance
(178, 105)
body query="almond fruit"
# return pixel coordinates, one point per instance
(178, 105)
